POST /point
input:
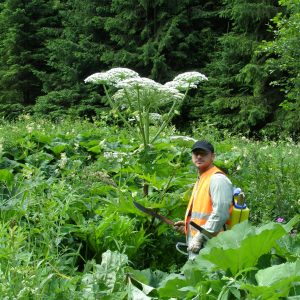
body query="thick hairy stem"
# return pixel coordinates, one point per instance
(142, 124)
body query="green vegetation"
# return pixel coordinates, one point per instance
(248, 50)
(74, 155)
(69, 228)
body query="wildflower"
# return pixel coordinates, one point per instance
(146, 93)
(280, 220)
(155, 118)
(187, 80)
(27, 172)
(63, 160)
(112, 77)
(184, 138)
(29, 127)
(138, 82)
(1, 145)
(192, 77)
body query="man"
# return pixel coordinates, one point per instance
(210, 202)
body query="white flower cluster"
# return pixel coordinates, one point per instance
(138, 83)
(187, 80)
(30, 127)
(155, 118)
(1, 145)
(63, 160)
(147, 91)
(112, 77)
(182, 138)
(119, 156)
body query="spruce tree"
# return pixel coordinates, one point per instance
(283, 65)
(160, 38)
(23, 32)
(72, 56)
(237, 95)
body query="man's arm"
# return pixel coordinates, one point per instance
(221, 193)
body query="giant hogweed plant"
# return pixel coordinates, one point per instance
(143, 102)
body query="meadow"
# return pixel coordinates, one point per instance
(69, 229)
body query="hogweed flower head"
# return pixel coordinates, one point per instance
(138, 83)
(182, 138)
(146, 91)
(155, 118)
(112, 77)
(187, 80)
(192, 77)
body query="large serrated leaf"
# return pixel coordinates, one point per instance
(275, 282)
(274, 274)
(241, 247)
(171, 287)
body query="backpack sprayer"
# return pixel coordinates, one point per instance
(240, 211)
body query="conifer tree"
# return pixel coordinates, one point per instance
(72, 55)
(160, 38)
(237, 95)
(283, 65)
(23, 32)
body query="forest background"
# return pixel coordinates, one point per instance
(249, 50)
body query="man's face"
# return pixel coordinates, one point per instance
(202, 159)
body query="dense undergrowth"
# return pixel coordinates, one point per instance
(69, 229)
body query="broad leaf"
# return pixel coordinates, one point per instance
(6, 176)
(241, 247)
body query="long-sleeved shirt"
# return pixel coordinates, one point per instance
(221, 192)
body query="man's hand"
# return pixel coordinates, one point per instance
(179, 226)
(196, 243)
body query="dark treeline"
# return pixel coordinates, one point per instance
(249, 50)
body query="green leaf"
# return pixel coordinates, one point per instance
(6, 176)
(148, 277)
(294, 221)
(241, 247)
(58, 147)
(288, 272)
(171, 287)
(96, 149)
(275, 282)
(135, 294)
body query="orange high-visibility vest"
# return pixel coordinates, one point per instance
(200, 206)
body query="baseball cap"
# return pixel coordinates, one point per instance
(207, 146)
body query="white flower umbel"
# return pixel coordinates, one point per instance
(192, 77)
(182, 138)
(155, 118)
(138, 82)
(112, 77)
(145, 93)
(187, 80)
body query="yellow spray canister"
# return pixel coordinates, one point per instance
(240, 211)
